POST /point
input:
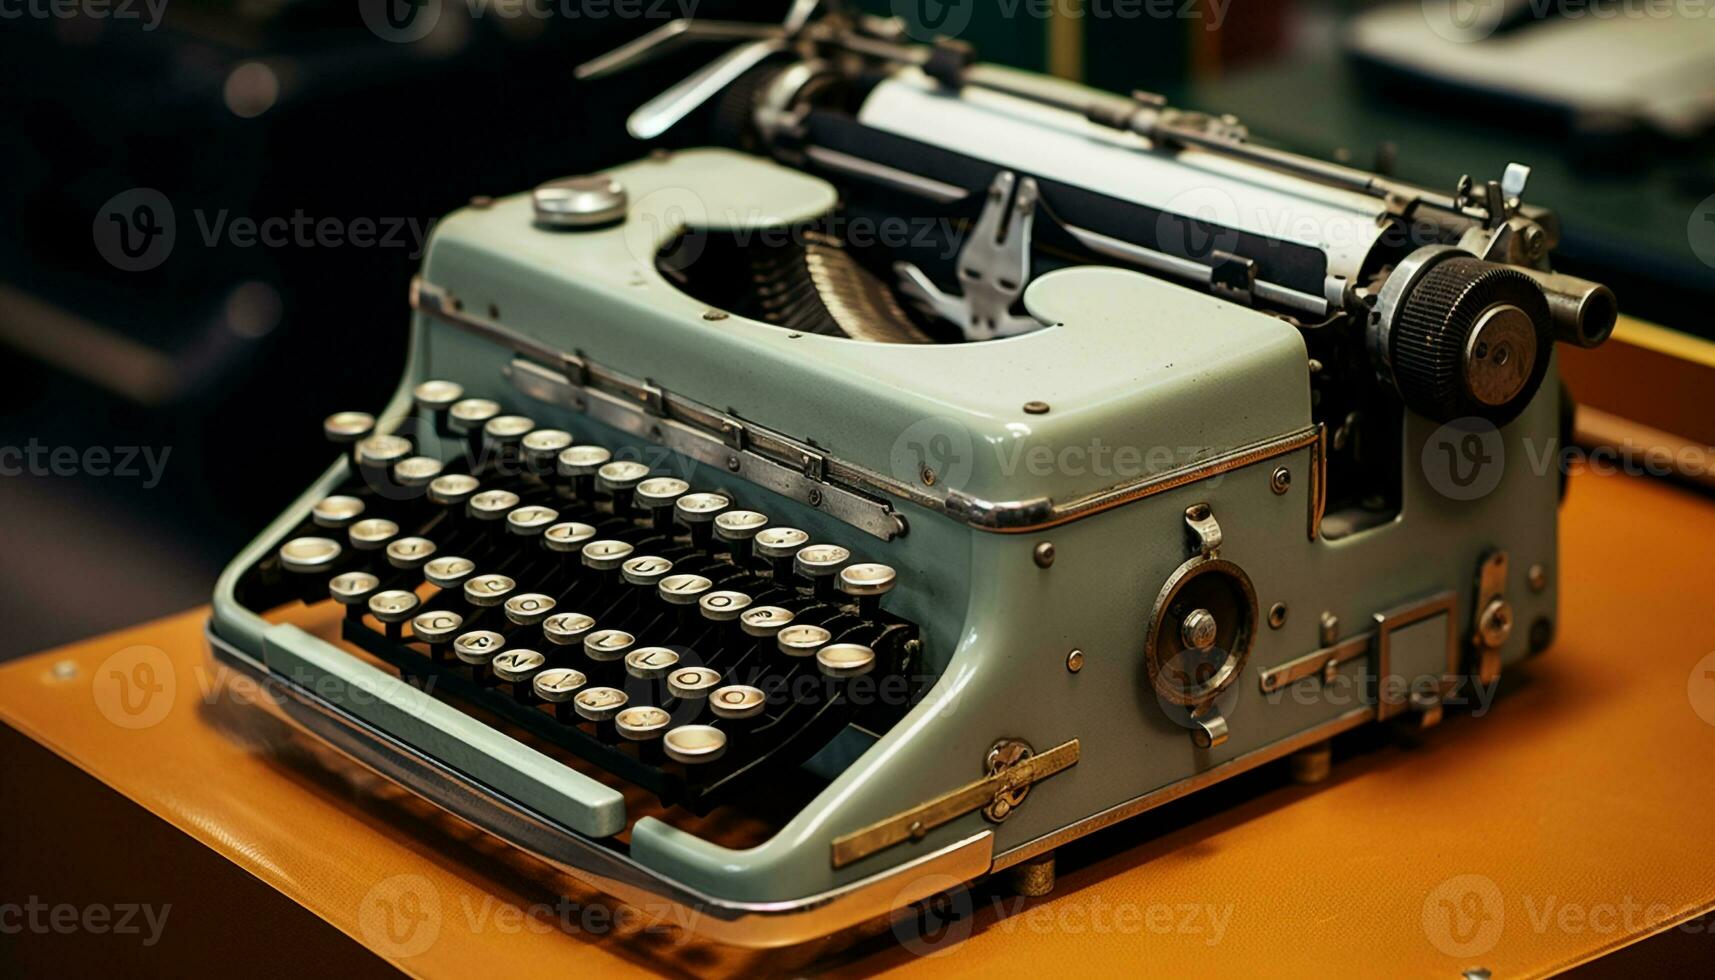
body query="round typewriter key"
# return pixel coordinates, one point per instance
(740, 525)
(621, 475)
(453, 489)
(373, 533)
(724, 606)
(765, 621)
(478, 647)
(802, 639)
(691, 683)
(607, 646)
(514, 666)
(353, 588)
(531, 521)
(698, 512)
(449, 572)
(567, 629)
(383, 450)
(437, 396)
(645, 569)
(642, 722)
(867, 579)
(657, 495)
(583, 460)
(820, 560)
(683, 590)
(488, 590)
(529, 608)
(492, 505)
(557, 684)
(693, 744)
(820, 563)
(544, 446)
(661, 491)
(471, 414)
(508, 428)
(605, 556)
(845, 659)
(394, 606)
(779, 542)
(704, 508)
(416, 471)
(348, 426)
(737, 701)
(569, 536)
(599, 703)
(438, 626)
(336, 512)
(409, 552)
(650, 663)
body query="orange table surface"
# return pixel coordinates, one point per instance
(1572, 819)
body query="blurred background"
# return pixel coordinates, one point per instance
(162, 397)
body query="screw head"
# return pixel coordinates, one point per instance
(927, 475)
(1044, 554)
(713, 315)
(732, 463)
(1198, 629)
(1538, 578)
(1277, 615)
(1280, 481)
(1036, 408)
(1075, 661)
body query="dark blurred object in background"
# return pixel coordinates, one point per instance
(210, 224)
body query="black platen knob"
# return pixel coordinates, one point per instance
(1467, 337)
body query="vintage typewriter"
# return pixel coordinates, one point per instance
(724, 548)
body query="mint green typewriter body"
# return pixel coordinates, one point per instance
(1038, 496)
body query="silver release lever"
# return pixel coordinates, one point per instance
(994, 266)
(665, 111)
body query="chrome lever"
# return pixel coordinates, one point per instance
(664, 111)
(664, 39)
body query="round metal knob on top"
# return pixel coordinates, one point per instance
(580, 202)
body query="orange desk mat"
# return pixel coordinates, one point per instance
(1571, 820)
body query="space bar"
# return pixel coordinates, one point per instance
(443, 733)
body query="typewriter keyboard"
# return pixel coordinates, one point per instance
(654, 628)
